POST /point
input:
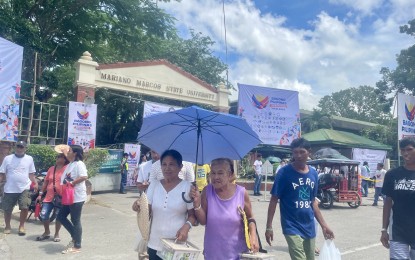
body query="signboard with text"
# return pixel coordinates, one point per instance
(274, 114)
(112, 163)
(133, 151)
(82, 125)
(406, 116)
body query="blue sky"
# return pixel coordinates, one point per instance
(315, 47)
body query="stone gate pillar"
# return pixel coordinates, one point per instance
(85, 77)
(223, 99)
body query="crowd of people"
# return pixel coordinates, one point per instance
(18, 170)
(215, 201)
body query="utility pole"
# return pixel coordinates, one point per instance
(33, 102)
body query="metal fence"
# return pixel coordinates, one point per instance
(49, 122)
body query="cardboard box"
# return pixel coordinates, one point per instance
(178, 251)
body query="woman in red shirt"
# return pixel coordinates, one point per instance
(52, 187)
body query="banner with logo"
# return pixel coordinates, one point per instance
(406, 115)
(11, 57)
(133, 151)
(82, 123)
(152, 108)
(112, 163)
(274, 114)
(373, 157)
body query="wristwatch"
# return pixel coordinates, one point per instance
(384, 230)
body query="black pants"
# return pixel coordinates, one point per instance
(152, 254)
(74, 226)
(123, 182)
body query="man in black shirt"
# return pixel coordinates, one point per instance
(398, 230)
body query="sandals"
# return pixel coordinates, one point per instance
(7, 231)
(71, 250)
(56, 239)
(42, 237)
(22, 231)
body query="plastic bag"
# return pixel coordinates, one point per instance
(37, 210)
(329, 251)
(68, 194)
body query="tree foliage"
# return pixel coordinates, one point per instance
(112, 31)
(317, 120)
(360, 103)
(402, 78)
(386, 134)
(43, 156)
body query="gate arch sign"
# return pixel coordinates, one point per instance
(155, 78)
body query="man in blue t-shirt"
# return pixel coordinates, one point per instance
(296, 188)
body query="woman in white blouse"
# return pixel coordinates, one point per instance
(171, 216)
(75, 175)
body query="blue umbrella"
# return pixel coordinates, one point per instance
(200, 135)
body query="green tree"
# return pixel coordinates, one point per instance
(360, 103)
(59, 31)
(195, 56)
(317, 120)
(386, 134)
(112, 30)
(402, 78)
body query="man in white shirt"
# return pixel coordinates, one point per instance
(187, 172)
(258, 174)
(380, 175)
(282, 164)
(19, 171)
(365, 173)
(144, 171)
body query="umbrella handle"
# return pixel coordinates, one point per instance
(184, 198)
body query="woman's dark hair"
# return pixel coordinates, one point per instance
(173, 153)
(77, 149)
(142, 157)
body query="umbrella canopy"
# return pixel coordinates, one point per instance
(273, 159)
(198, 134)
(328, 153)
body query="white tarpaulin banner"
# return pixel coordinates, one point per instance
(373, 157)
(274, 114)
(133, 151)
(406, 115)
(11, 57)
(152, 108)
(82, 124)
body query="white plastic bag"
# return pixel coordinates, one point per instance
(329, 251)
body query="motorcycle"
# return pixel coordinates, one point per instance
(40, 179)
(338, 181)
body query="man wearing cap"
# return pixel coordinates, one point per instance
(19, 171)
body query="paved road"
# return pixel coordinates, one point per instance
(110, 232)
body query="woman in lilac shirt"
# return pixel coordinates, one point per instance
(217, 208)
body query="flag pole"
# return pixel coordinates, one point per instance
(396, 104)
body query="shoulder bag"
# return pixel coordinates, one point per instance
(57, 199)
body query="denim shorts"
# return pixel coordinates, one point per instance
(47, 208)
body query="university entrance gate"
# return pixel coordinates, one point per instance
(158, 78)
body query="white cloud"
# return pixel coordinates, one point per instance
(331, 56)
(366, 7)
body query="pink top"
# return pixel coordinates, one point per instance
(224, 233)
(49, 177)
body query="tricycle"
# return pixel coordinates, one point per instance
(338, 181)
